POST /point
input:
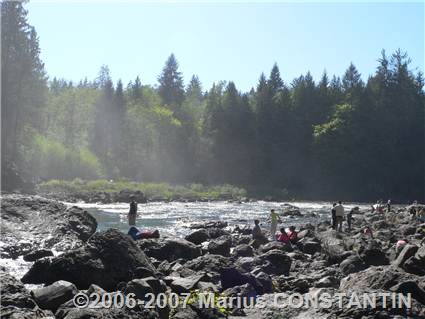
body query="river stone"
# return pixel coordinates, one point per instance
(139, 287)
(243, 250)
(52, 296)
(169, 249)
(220, 246)
(198, 237)
(407, 252)
(416, 263)
(311, 247)
(13, 293)
(275, 262)
(232, 276)
(352, 264)
(185, 285)
(37, 254)
(108, 258)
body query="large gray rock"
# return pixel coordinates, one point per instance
(52, 296)
(243, 251)
(275, 262)
(108, 258)
(13, 293)
(16, 301)
(351, 265)
(30, 223)
(416, 263)
(198, 236)
(407, 252)
(220, 246)
(333, 247)
(208, 263)
(169, 249)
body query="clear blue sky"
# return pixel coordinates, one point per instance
(223, 41)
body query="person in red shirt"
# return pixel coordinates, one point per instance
(293, 235)
(283, 237)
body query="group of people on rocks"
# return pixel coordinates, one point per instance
(284, 237)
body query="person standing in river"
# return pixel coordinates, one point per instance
(333, 216)
(132, 213)
(339, 214)
(274, 219)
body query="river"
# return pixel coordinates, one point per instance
(174, 218)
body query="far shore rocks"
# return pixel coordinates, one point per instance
(212, 258)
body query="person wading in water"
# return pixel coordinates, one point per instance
(132, 214)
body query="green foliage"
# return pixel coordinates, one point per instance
(151, 190)
(52, 159)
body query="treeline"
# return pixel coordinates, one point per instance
(331, 138)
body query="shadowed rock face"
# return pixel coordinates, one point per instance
(30, 223)
(108, 258)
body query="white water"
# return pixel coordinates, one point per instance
(173, 219)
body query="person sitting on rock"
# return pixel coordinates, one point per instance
(283, 237)
(132, 213)
(137, 234)
(293, 235)
(256, 231)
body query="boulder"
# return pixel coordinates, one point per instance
(276, 245)
(108, 258)
(243, 251)
(232, 276)
(332, 243)
(13, 293)
(216, 232)
(52, 296)
(265, 280)
(275, 262)
(407, 252)
(311, 247)
(375, 277)
(416, 263)
(352, 264)
(139, 287)
(37, 254)
(220, 246)
(410, 287)
(169, 249)
(185, 285)
(373, 254)
(198, 237)
(242, 291)
(32, 223)
(208, 263)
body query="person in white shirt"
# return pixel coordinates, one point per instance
(339, 215)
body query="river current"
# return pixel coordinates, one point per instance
(174, 218)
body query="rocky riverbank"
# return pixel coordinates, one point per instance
(211, 258)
